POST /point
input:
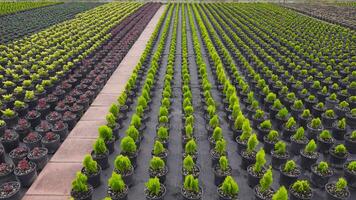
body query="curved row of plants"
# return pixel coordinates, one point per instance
(312, 145)
(42, 127)
(21, 24)
(14, 7)
(125, 162)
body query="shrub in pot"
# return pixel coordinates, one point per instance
(228, 190)
(160, 151)
(321, 172)
(281, 194)
(92, 170)
(243, 138)
(249, 154)
(191, 189)
(221, 170)
(124, 167)
(338, 155)
(158, 169)
(10, 190)
(213, 123)
(218, 151)
(134, 134)
(106, 134)
(38, 155)
(263, 190)
(60, 128)
(21, 108)
(32, 140)
(339, 129)
(53, 117)
(70, 119)
(111, 123)
(297, 108)
(190, 149)
(314, 128)
(42, 107)
(282, 117)
(300, 190)
(289, 128)
(325, 141)
(270, 140)
(290, 172)
(189, 167)
(81, 190)
(263, 129)
(100, 153)
(279, 154)
(10, 117)
(342, 108)
(51, 141)
(350, 118)
(117, 189)
(350, 142)
(304, 118)
(328, 118)
(258, 117)
(188, 134)
(163, 136)
(270, 98)
(43, 128)
(10, 140)
(337, 190)
(331, 101)
(129, 149)
(6, 172)
(350, 173)
(237, 127)
(256, 171)
(309, 155)
(217, 135)
(154, 190)
(298, 141)
(318, 109)
(310, 101)
(25, 172)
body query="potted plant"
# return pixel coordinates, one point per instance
(243, 138)
(328, 118)
(81, 190)
(188, 134)
(298, 141)
(300, 190)
(304, 118)
(270, 140)
(290, 172)
(38, 155)
(279, 154)
(6, 172)
(216, 136)
(162, 136)
(92, 171)
(190, 149)
(221, 170)
(256, 171)
(23, 127)
(60, 128)
(10, 190)
(117, 189)
(124, 167)
(338, 155)
(314, 128)
(350, 173)
(337, 190)
(189, 167)
(191, 189)
(282, 117)
(25, 172)
(350, 118)
(309, 155)
(281, 194)
(258, 118)
(325, 141)
(70, 119)
(53, 117)
(321, 172)
(310, 101)
(10, 140)
(10, 117)
(30, 99)
(350, 142)
(129, 149)
(43, 128)
(228, 190)
(18, 154)
(32, 140)
(331, 101)
(249, 154)
(237, 128)
(264, 190)
(339, 129)
(289, 128)
(134, 134)
(263, 129)
(213, 123)
(2, 127)
(21, 108)
(100, 153)
(297, 108)
(160, 151)
(154, 190)
(351, 89)
(342, 108)
(42, 107)
(106, 134)
(158, 169)
(218, 151)
(51, 141)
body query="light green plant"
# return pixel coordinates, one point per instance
(153, 186)
(80, 184)
(90, 165)
(191, 184)
(122, 164)
(266, 181)
(116, 183)
(229, 187)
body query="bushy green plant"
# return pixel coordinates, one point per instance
(340, 149)
(128, 145)
(190, 147)
(116, 183)
(341, 124)
(136, 120)
(191, 184)
(306, 113)
(289, 166)
(352, 136)
(272, 135)
(157, 163)
(266, 181)
(281, 194)
(105, 133)
(163, 119)
(217, 134)
(223, 163)
(214, 121)
(133, 133)
(266, 125)
(189, 120)
(100, 147)
(330, 113)
(259, 114)
(111, 120)
(322, 167)
(122, 164)
(2, 123)
(325, 135)
(189, 130)
(162, 133)
(290, 123)
(153, 186)
(229, 187)
(8, 113)
(211, 110)
(19, 104)
(298, 105)
(301, 186)
(188, 163)
(80, 184)
(311, 98)
(239, 122)
(220, 147)
(316, 123)
(341, 184)
(280, 148)
(188, 110)
(260, 161)
(158, 148)
(343, 104)
(351, 166)
(246, 130)
(114, 109)
(90, 165)
(271, 97)
(320, 105)
(163, 111)
(310, 147)
(252, 143)
(283, 113)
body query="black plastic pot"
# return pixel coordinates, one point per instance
(324, 145)
(161, 177)
(14, 195)
(259, 195)
(337, 161)
(93, 179)
(296, 146)
(268, 146)
(252, 178)
(52, 145)
(27, 179)
(350, 120)
(288, 179)
(40, 161)
(287, 133)
(278, 160)
(308, 160)
(318, 179)
(350, 144)
(262, 133)
(61, 132)
(118, 196)
(12, 121)
(241, 145)
(219, 177)
(350, 176)
(312, 133)
(101, 159)
(83, 195)
(293, 195)
(198, 197)
(247, 160)
(333, 196)
(9, 145)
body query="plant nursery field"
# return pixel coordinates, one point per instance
(223, 101)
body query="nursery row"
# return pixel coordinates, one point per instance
(14, 7)
(342, 14)
(41, 121)
(21, 24)
(220, 98)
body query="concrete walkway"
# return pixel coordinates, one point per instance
(54, 182)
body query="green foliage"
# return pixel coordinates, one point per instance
(271, 97)
(289, 166)
(114, 109)
(290, 123)
(301, 186)
(341, 123)
(189, 130)
(220, 147)
(280, 148)
(341, 184)
(105, 133)
(188, 110)
(229, 187)
(266, 181)
(352, 136)
(311, 98)
(283, 113)
(136, 121)
(158, 148)
(325, 135)
(310, 147)
(252, 143)
(90, 165)
(163, 119)
(281, 194)
(320, 105)
(133, 133)
(156, 163)
(352, 166)
(322, 167)
(190, 147)
(298, 105)
(153, 186)
(217, 134)
(260, 161)
(191, 184)
(223, 163)
(163, 111)
(273, 135)
(162, 133)
(316, 123)
(19, 104)
(246, 130)
(122, 164)
(188, 163)
(79, 184)
(259, 114)
(266, 125)
(340, 149)
(2, 123)
(239, 122)
(211, 110)
(343, 104)
(330, 113)
(111, 120)
(214, 121)
(100, 147)
(116, 183)
(128, 145)
(8, 113)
